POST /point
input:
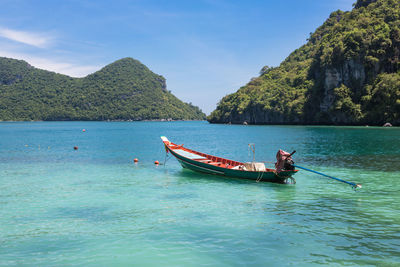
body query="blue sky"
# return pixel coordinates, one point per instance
(205, 48)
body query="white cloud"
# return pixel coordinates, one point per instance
(46, 59)
(71, 69)
(39, 40)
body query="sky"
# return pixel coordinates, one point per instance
(205, 49)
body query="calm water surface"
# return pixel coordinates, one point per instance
(94, 207)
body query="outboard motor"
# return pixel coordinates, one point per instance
(284, 161)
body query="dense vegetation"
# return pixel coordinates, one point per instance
(347, 73)
(123, 90)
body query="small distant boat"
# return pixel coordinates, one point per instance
(209, 164)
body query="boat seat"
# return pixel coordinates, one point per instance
(188, 154)
(204, 160)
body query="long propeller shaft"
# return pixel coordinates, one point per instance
(354, 185)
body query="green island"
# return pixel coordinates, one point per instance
(348, 73)
(123, 90)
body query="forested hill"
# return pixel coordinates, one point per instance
(347, 73)
(123, 90)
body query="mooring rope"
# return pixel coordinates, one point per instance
(259, 176)
(166, 158)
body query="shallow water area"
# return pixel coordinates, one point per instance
(94, 206)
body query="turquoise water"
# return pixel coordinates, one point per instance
(95, 207)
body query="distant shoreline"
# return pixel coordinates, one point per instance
(300, 124)
(155, 120)
(249, 124)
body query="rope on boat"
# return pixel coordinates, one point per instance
(252, 147)
(259, 176)
(166, 158)
(353, 185)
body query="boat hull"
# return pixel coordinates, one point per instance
(215, 170)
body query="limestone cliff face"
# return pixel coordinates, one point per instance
(351, 74)
(258, 115)
(348, 73)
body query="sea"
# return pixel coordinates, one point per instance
(94, 206)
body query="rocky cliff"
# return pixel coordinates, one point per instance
(347, 73)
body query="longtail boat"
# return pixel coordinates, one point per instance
(209, 164)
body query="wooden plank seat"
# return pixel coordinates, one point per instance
(203, 160)
(188, 154)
